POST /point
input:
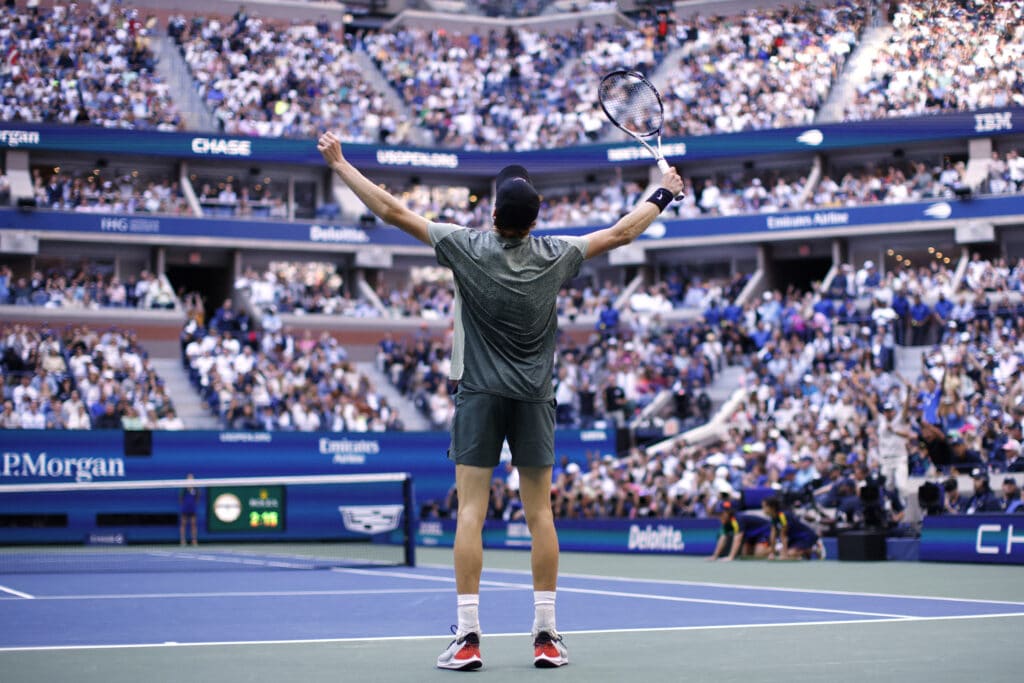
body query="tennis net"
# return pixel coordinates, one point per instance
(287, 522)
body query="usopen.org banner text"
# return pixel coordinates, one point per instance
(43, 466)
(416, 158)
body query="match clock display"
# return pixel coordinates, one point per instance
(246, 508)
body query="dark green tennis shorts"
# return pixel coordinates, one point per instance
(483, 421)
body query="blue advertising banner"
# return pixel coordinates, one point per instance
(661, 536)
(836, 136)
(171, 230)
(70, 456)
(303, 513)
(994, 539)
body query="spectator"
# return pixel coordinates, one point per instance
(953, 503)
(109, 418)
(893, 433)
(984, 500)
(1014, 457)
(1012, 501)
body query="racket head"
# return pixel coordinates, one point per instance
(632, 103)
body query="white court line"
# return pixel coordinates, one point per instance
(206, 557)
(641, 596)
(425, 577)
(395, 574)
(664, 629)
(17, 593)
(239, 594)
(710, 584)
(501, 586)
(731, 603)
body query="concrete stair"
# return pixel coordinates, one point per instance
(908, 361)
(412, 418)
(190, 406)
(857, 68)
(727, 381)
(172, 68)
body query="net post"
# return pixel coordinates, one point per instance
(408, 501)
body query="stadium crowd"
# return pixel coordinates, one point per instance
(823, 414)
(312, 287)
(768, 68)
(507, 90)
(79, 378)
(272, 380)
(300, 288)
(513, 89)
(887, 181)
(263, 79)
(84, 287)
(623, 365)
(82, 63)
(822, 399)
(825, 423)
(723, 194)
(90, 192)
(233, 197)
(930, 64)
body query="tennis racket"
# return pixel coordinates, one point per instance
(634, 105)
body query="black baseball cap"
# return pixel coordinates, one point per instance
(516, 202)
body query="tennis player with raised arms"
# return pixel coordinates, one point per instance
(506, 283)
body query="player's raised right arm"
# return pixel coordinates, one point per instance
(381, 203)
(633, 224)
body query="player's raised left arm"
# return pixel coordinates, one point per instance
(380, 202)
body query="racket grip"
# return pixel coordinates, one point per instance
(665, 168)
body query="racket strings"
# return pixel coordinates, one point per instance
(632, 104)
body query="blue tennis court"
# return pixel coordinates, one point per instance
(138, 608)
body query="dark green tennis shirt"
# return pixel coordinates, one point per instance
(505, 306)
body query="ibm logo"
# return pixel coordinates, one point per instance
(992, 122)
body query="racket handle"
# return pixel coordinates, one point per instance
(665, 168)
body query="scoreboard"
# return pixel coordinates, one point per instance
(245, 508)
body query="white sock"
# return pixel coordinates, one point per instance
(544, 612)
(469, 616)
